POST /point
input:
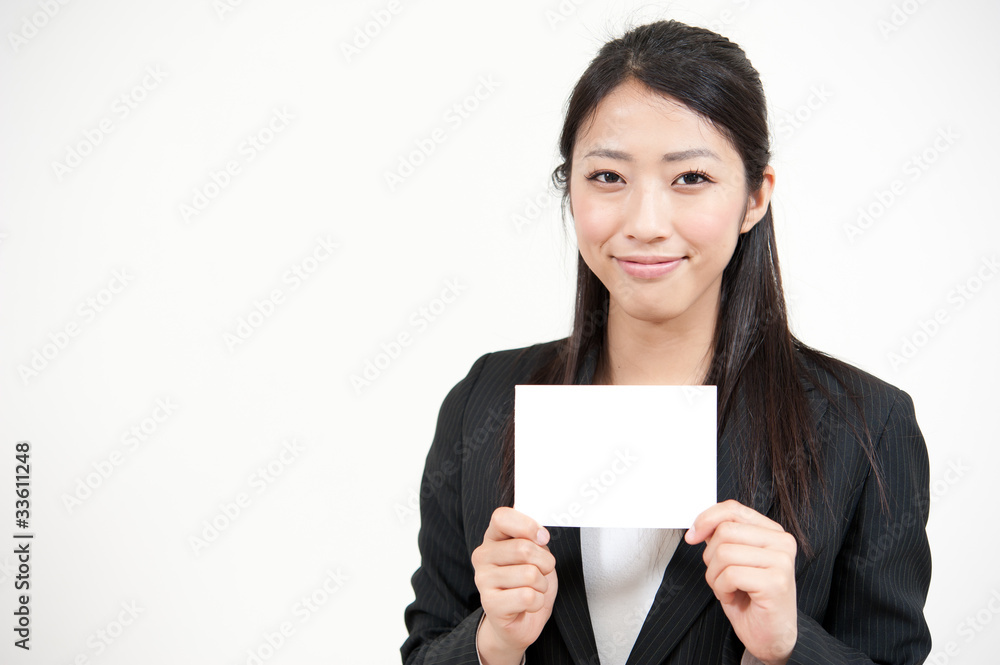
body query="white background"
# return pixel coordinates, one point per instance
(851, 105)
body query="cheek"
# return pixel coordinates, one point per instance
(711, 228)
(595, 222)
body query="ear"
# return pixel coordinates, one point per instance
(758, 201)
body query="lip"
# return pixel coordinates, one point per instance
(648, 267)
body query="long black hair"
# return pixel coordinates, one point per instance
(754, 352)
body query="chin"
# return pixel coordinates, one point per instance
(651, 312)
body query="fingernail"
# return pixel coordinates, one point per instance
(542, 537)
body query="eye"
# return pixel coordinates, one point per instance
(693, 178)
(609, 177)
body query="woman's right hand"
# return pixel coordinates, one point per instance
(516, 577)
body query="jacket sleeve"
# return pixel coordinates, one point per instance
(443, 619)
(882, 572)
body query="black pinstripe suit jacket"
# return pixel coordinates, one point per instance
(860, 598)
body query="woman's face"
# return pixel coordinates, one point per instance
(658, 198)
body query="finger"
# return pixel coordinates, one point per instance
(505, 605)
(744, 556)
(516, 551)
(513, 552)
(509, 523)
(726, 511)
(748, 534)
(758, 583)
(512, 577)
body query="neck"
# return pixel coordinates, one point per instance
(673, 353)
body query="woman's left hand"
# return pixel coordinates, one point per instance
(751, 569)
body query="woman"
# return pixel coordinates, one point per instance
(816, 551)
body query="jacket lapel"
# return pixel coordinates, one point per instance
(683, 593)
(571, 612)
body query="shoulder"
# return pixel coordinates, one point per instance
(508, 366)
(491, 379)
(848, 388)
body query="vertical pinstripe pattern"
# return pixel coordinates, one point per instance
(860, 598)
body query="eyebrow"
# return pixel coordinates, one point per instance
(669, 157)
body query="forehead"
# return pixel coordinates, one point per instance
(635, 118)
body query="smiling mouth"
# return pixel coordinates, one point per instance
(647, 267)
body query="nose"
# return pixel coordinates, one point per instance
(647, 215)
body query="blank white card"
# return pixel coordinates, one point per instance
(614, 456)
